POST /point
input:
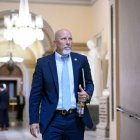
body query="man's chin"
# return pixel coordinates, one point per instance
(66, 52)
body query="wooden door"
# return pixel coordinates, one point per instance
(129, 67)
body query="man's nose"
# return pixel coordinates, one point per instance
(68, 41)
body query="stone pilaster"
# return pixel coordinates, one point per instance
(102, 128)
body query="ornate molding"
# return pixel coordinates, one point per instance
(79, 47)
(72, 2)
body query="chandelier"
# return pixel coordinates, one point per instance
(12, 58)
(11, 61)
(22, 28)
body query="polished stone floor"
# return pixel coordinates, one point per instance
(20, 131)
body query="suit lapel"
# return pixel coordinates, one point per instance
(75, 63)
(52, 64)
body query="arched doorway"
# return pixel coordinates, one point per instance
(14, 81)
(22, 73)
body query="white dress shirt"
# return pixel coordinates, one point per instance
(59, 65)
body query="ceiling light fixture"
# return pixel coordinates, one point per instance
(22, 28)
(5, 59)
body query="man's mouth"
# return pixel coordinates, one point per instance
(66, 48)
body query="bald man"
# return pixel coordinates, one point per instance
(47, 110)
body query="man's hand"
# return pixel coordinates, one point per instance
(34, 129)
(82, 95)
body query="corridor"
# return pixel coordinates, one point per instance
(20, 131)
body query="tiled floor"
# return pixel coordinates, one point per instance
(20, 131)
(23, 134)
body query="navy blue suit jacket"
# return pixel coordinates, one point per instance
(44, 91)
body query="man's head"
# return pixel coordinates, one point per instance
(63, 41)
(2, 86)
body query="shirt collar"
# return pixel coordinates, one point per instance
(59, 56)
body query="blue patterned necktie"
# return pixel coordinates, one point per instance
(66, 97)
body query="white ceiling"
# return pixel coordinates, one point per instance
(77, 2)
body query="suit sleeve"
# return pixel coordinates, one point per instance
(35, 94)
(89, 86)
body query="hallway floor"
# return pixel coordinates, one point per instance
(20, 131)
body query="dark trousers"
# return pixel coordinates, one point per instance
(20, 109)
(65, 128)
(4, 119)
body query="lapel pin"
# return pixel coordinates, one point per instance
(75, 59)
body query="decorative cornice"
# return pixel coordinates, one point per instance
(66, 2)
(79, 47)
